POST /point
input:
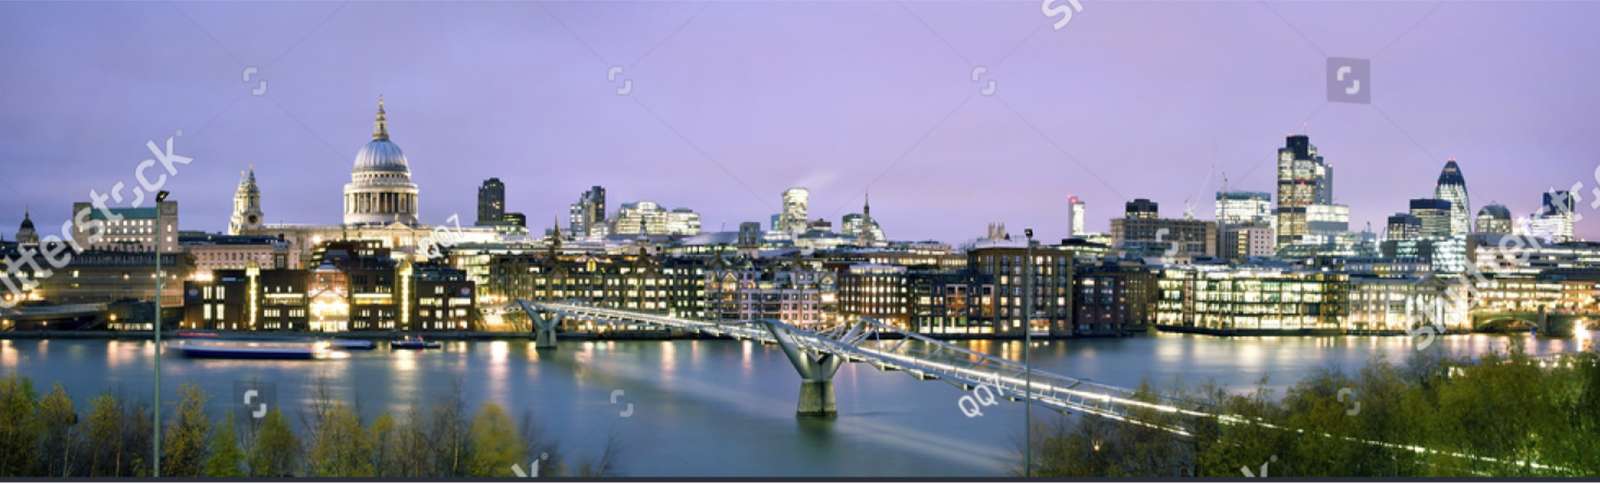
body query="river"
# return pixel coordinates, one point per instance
(704, 408)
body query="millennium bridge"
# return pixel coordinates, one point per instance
(817, 355)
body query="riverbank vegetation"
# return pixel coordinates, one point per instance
(1502, 415)
(47, 436)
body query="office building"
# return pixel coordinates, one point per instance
(1141, 232)
(1304, 180)
(1494, 219)
(491, 203)
(1403, 226)
(1242, 242)
(1075, 216)
(131, 229)
(1434, 217)
(587, 217)
(1252, 300)
(1557, 213)
(1244, 208)
(877, 291)
(792, 220)
(1114, 298)
(212, 252)
(997, 293)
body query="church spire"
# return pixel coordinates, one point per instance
(380, 127)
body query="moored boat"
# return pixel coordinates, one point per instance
(249, 350)
(351, 344)
(413, 342)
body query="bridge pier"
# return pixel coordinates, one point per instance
(816, 374)
(544, 328)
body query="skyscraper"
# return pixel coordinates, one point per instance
(1434, 217)
(1075, 216)
(1452, 187)
(795, 205)
(1555, 217)
(587, 217)
(1403, 226)
(491, 202)
(1304, 180)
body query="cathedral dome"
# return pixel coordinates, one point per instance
(380, 154)
(380, 191)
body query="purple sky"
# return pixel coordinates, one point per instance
(732, 102)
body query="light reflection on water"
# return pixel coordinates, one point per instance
(725, 408)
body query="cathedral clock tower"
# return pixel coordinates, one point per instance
(246, 205)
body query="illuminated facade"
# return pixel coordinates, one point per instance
(875, 291)
(1114, 299)
(997, 292)
(794, 293)
(1452, 187)
(1398, 305)
(126, 229)
(1304, 180)
(1211, 299)
(356, 286)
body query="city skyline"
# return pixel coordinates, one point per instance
(549, 143)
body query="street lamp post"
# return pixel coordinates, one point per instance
(1027, 364)
(156, 471)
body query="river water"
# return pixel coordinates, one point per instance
(704, 408)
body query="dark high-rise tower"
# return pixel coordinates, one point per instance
(491, 203)
(1304, 180)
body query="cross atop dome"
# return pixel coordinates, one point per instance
(380, 127)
